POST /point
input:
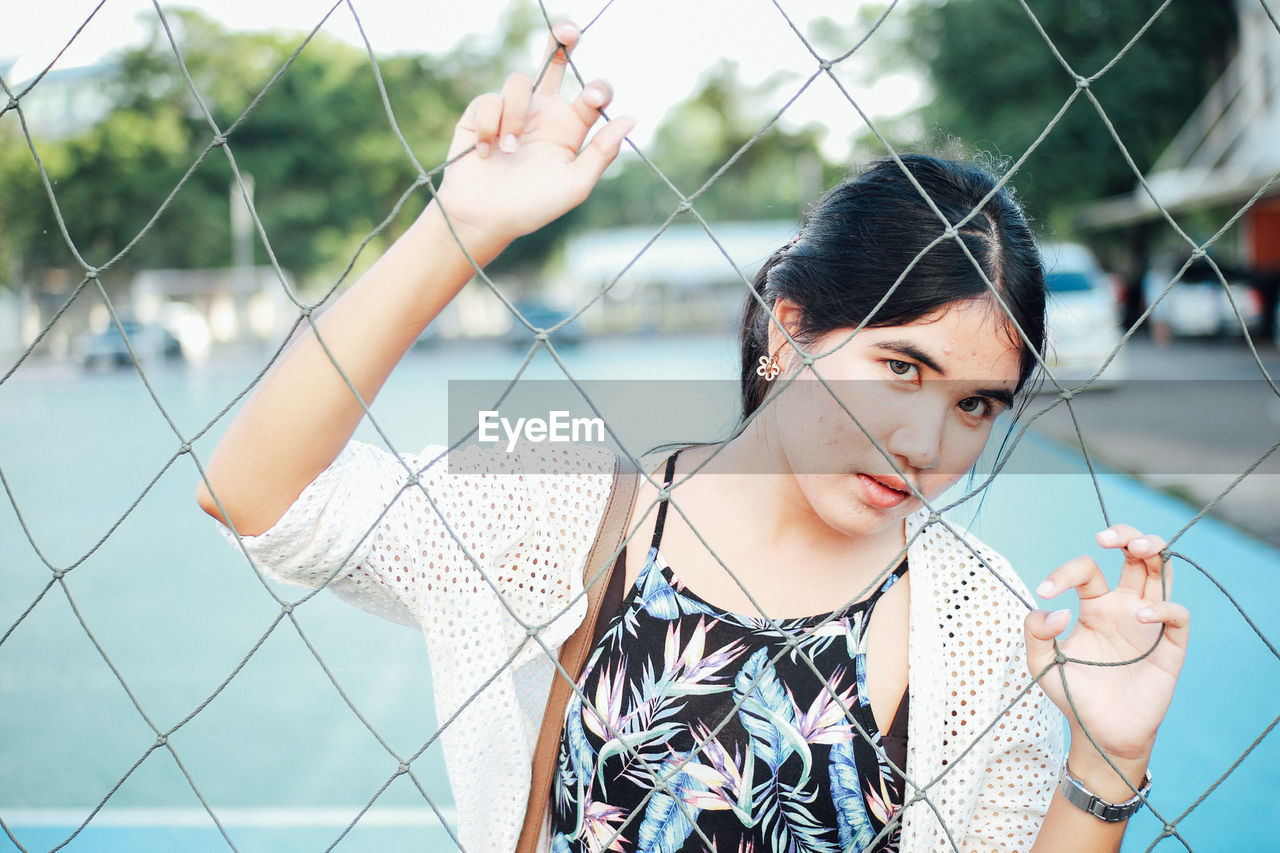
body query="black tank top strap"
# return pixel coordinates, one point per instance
(615, 592)
(894, 577)
(667, 479)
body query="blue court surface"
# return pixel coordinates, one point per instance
(180, 831)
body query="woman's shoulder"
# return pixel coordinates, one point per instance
(559, 490)
(532, 469)
(963, 571)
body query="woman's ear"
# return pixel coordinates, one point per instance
(788, 314)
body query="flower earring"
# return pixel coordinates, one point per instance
(769, 367)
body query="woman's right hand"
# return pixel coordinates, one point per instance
(520, 156)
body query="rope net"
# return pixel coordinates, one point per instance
(170, 722)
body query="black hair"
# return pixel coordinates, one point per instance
(858, 238)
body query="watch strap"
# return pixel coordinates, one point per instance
(1082, 798)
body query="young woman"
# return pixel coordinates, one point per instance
(804, 657)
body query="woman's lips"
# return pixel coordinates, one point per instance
(882, 492)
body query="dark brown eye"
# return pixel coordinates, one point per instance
(900, 368)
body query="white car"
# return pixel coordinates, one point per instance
(1082, 317)
(1197, 305)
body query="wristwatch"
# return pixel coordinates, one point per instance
(1081, 797)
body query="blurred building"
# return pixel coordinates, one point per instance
(65, 101)
(215, 306)
(679, 280)
(1224, 156)
(246, 307)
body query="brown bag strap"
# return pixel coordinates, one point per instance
(573, 654)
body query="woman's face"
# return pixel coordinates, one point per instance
(928, 392)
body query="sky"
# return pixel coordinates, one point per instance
(653, 51)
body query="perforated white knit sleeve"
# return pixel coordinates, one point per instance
(1025, 757)
(484, 551)
(991, 754)
(1023, 752)
(329, 530)
(439, 542)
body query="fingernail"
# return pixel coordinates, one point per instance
(593, 96)
(509, 143)
(1142, 542)
(1045, 589)
(564, 31)
(482, 148)
(1146, 614)
(1108, 537)
(1060, 617)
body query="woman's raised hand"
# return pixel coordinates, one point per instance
(1119, 706)
(520, 164)
(520, 156)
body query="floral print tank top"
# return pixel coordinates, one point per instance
(744, 720)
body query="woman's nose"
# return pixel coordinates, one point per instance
(918, 442)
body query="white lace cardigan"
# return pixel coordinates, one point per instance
(984, 753)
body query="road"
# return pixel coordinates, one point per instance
(1190, 420)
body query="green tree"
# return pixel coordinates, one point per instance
(774, 178)
(319, 145)
(998, 84)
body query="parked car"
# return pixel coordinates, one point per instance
(1082, 316)
(1197, 305)
(542, 315)
(107, 348)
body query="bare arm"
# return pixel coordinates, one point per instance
(303, 414)
(525, 171)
